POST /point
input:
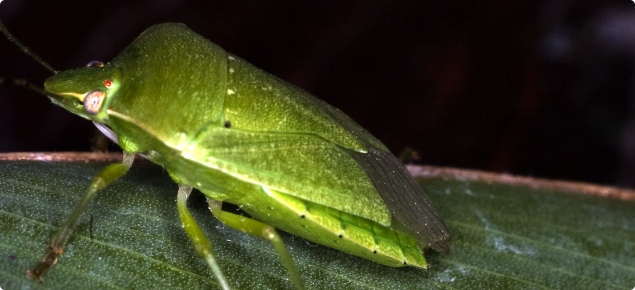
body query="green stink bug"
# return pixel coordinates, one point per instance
(242, 136)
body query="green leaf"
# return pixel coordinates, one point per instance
(506, 234)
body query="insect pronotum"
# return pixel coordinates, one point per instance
(240, 135)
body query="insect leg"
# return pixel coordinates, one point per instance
(202, 245)
(57, 243)
(259, 229)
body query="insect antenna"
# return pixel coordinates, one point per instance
(25, 84)
(25, 49)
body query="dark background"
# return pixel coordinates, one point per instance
(537, 88)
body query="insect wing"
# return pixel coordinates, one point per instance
(258, 101)
(304, 166)
(411, 207)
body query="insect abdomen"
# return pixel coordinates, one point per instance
(333, 228)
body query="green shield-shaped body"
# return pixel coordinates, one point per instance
(240, 135)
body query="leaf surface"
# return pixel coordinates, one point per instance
(504, 236)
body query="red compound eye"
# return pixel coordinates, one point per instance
(108, 83)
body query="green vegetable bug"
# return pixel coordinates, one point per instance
(242, 136)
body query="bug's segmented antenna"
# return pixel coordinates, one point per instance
(25, 49)
(24, 83)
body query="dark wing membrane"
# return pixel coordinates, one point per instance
(406, 201)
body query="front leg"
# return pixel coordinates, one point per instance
(57, 243)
